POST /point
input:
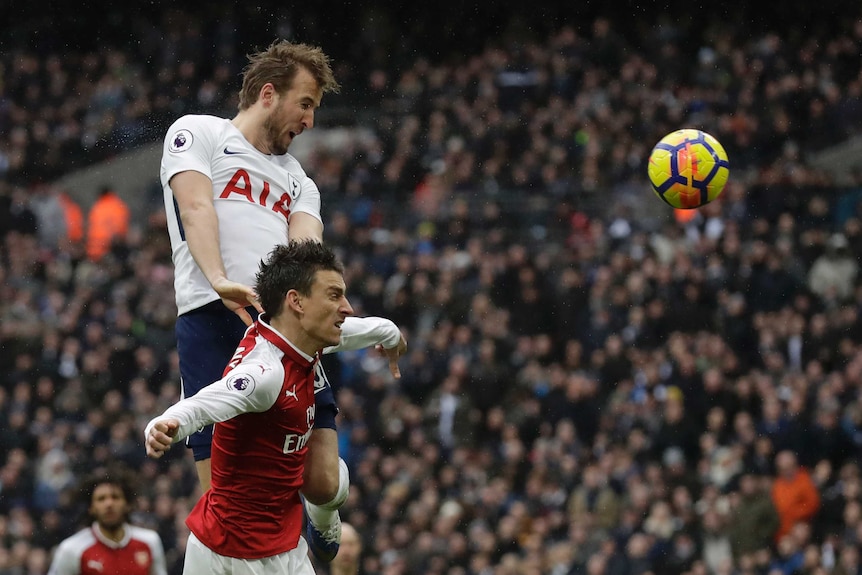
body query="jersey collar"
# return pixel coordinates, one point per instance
(281, 342)
(127, 535)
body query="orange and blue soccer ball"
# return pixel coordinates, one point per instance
(688, 169)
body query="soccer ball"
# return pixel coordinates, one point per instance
(688, 169)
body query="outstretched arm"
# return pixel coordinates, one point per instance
(248, 388)
(378, 332)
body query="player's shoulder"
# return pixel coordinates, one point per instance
(148, 536)
(260, 366)
(267, 355)
(291, 164)
(198, 122)
(77, 543)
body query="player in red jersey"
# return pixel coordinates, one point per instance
(250, 520)
(110, 544)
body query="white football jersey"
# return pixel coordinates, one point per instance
(254, 195)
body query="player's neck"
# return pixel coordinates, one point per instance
(292, 331)
(116, 535)
(251, 127)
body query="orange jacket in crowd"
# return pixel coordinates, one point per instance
(796, 500)
(108, 219)
(74, 218)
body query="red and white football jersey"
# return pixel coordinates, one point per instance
(254, 196)
(265, 408)
(88, 552)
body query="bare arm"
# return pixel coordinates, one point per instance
(320, 475)
(304, 226)
(193, 193)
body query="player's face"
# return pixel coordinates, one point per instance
(109, 506)
(350, 550)
(292, 112)
(326, 307)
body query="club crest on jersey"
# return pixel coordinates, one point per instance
(142, 558)
(181, 141)
(241, 383)
(293, 187)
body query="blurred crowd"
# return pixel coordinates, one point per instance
(593, 385)
(573, 112)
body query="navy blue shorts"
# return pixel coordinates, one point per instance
(206, 341)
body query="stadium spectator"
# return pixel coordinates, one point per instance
(794, 494)
(594, 501)
(348, 561)
(50, 213)
(107, 223)
(833, 274)
(74, 217)
(753, 519)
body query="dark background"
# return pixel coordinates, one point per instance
(442, 29)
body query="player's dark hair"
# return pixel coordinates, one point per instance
(279, 64)
(292, 266)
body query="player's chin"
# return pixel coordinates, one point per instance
(113, 520)
(329, 337)
(288, 140)
(335, 335)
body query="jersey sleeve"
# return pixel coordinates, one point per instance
(157, 550)
(247, 388)
(308, 201)
(362, 332)
(67, 560)
(189, 145)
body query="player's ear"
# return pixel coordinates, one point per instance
(267, 92)
(293, 300)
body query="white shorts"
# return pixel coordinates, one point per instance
(200, 560)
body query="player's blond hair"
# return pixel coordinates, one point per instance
(279, 64)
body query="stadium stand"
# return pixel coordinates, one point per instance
(593, 386)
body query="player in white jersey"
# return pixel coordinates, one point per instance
(254, 195)
(250, 521)
(110, 544)
(232, 193)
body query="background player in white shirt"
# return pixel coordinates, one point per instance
(232, 193)
(110, 544)
(250, 520)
